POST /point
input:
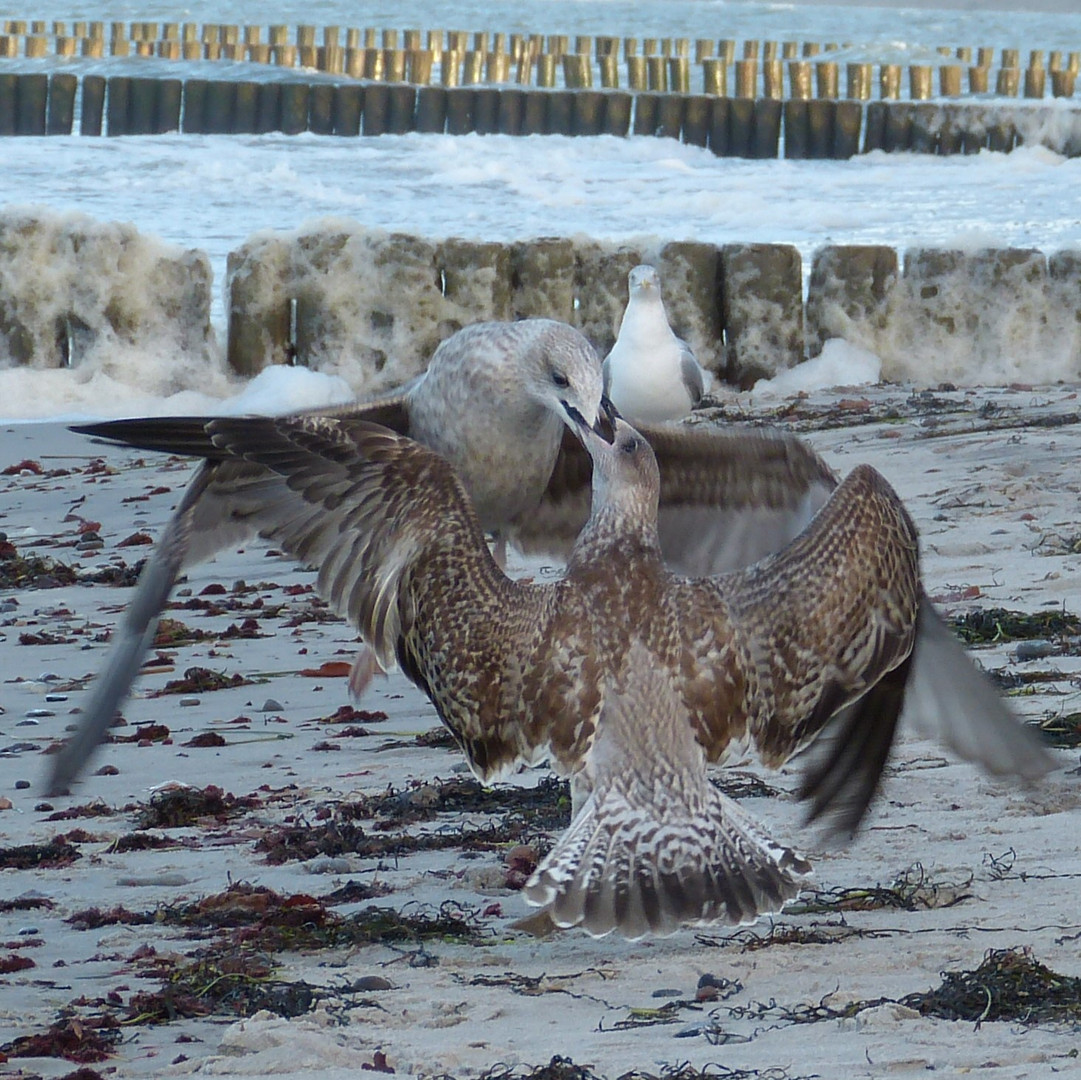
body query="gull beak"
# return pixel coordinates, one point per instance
(605, 426)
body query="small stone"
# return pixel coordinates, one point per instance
(188, 702)
(271, 705)
(108, 770)
(21, 785)
(1034, 650)
(5, 803)
(667, 993)
(31, 713)
(56, 697)
(372, 982)
(44, 807)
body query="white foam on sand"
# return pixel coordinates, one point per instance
(838, 364)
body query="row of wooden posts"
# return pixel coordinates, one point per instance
(461, 58)
(36, 104)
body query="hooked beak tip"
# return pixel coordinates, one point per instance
(605, 426)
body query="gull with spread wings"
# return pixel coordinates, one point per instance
(628, 678)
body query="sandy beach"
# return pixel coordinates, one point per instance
(230, 933)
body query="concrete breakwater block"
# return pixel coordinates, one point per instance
(366, 305)
(761, 310)
(848, 295)
(74, 290)
(371, 306)
(958, 312)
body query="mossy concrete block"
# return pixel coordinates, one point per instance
(258, 279)
(543, 279)
(848, 295)
(75, 292)
(1064, 303)
(476, 282)
(762, 310)
(967, 317)
(369, 305)
(690, 285)
(601, 276)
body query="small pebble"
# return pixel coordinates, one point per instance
(43, 807)
(372, 982)
(187, 702)
(31, 713)
(27, 723)
(5, 803)
(21, 785)
(56, 697)
(29, 931)
(270, 705)
(327, 865)
(108, 770)
(667, 993)
(1034, 650)
(691, 1032)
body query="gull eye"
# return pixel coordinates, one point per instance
(560, 380)
(629, 445)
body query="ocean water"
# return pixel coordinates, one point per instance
(211, 193)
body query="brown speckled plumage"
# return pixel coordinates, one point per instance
(519, 671)
(815, 639)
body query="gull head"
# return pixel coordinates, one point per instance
(563, 373)
(644, 281)
(625, 473)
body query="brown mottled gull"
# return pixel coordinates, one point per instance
(650, 374)
(816, 637)
(655, 846)
(495, 401)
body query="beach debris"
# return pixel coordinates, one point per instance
(201, 680)
(984, 626)
(1061, 730)
(38, 856)
(80, 1040)
(182, 806)
(206, 739)
(912, 890)
(1010, 984)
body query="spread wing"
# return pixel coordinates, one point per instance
(131, 640)
(229, 501)
(845, 643)
(367, 506)
(828, 619)
(728, 498)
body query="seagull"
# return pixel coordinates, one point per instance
(497, 401)
(626, 677)
(650, 374)
(655, 846)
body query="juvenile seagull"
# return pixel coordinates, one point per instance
(651, 375)
(496, 401)
(763, 658)
(654, 843)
